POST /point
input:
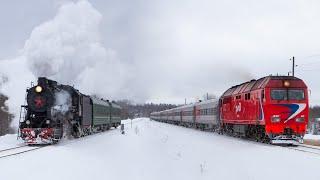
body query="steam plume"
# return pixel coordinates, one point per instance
(66, 48)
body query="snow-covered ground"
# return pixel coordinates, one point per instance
(8, 141)
(154, 151)
(312, 137)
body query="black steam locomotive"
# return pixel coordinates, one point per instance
(54, 111)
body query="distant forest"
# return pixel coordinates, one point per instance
(314, 112)
(129, 110)
(5, 117)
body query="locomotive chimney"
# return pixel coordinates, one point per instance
(42, 81)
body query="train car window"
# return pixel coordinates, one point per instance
(249, 94)
(296, 94)
(278, 94)
(227, 100)
(262, 94)
(215, 110)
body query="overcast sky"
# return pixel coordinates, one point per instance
(171, 50)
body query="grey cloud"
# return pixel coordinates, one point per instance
(166, 50)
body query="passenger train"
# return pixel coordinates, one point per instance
(271, 109)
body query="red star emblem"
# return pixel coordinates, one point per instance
(39, 101)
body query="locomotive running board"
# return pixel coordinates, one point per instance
(282, 139)
(285, 142)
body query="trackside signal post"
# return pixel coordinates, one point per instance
(122, 129)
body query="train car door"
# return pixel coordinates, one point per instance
(194, 115)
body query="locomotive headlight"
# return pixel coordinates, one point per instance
(275, 119)
(300, 119)
(27, 122)
(47, 121)
(38, 89)
(286, 83)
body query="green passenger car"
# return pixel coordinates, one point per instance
(105, 114)
(115, 114)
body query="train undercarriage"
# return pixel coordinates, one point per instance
(258, 133)
(53, 135)
(252, 132)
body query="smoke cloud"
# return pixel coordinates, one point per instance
(68, 49)
(154, 67)
(64, 47)
(62, 102)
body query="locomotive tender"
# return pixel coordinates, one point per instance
(271, 109)
(54, 111)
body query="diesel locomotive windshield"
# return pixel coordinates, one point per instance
(292, 94)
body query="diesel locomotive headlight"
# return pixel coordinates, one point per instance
(286, 83)
(27, 122)
(300, 119)
(47, 121)
(38, 89)
(275, 119)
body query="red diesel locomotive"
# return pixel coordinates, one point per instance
(273, 109)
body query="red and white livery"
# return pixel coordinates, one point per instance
(273, 108)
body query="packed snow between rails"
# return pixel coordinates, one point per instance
(154, 151)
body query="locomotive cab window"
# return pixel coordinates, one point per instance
(278, 94)
(296, 94)
(291, 94)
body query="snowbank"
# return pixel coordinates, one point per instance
(311, 137)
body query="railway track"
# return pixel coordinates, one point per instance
(13, 151)
(18, 150)
(4, 150)
(306, 149)
(301, 147)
